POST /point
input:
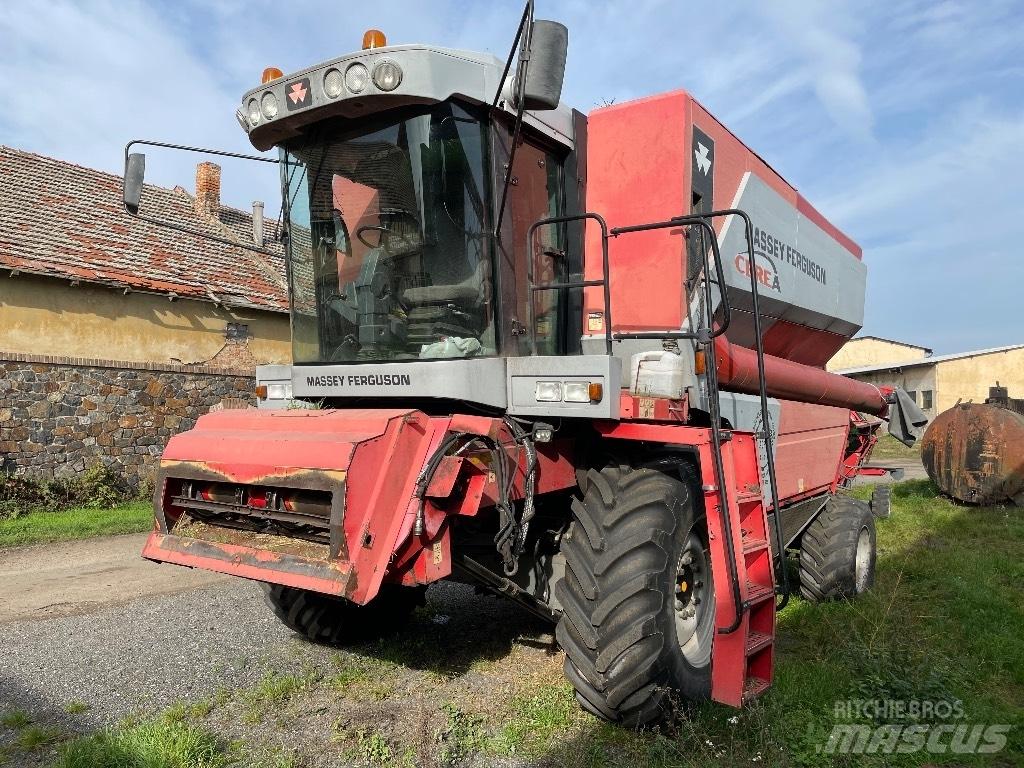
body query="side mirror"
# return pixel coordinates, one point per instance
(134, 173)
(548, 47)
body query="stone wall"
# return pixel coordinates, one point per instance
(59, 415)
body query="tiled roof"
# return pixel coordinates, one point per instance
(63, 220)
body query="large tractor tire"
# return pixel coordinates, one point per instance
(335, 621)
(837, 551)
(637, 598)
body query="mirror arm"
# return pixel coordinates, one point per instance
(527, 18)
(178, 227)
(204, 235)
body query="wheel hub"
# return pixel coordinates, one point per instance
(694, 601)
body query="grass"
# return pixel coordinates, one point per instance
(888, 447)
(38, 527)
(159, 743)
(944, 624)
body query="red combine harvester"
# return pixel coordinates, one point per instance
(576, 360)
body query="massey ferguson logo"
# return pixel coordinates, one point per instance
(298, 94)
(767, 250)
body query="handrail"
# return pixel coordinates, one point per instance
(574, 284)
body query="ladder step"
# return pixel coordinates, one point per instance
(749, 498)
(757, 641)
(753, 545)
(758, 593)
(754, 687)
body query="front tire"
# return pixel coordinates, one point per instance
(637, 597)
(837, 551)
(332, 620)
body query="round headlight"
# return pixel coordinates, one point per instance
(387, 75)
(332, 83)
(253, 109)
(356, 77)
(269, 105)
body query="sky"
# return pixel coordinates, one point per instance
(902, 122)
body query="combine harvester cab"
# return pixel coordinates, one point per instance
(575, 360)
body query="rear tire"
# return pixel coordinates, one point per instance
(837, 551)
(332, 620)
(637, 562)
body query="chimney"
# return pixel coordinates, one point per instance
(208, 189)
(257, 222)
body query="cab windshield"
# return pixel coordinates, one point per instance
(388, 239)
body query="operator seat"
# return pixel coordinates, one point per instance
(455, 309)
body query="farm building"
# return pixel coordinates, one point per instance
(936, 382)
(115, 333)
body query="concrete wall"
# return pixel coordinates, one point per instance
(46, 316)
(60, 415)
(970, 377)
(867, 351)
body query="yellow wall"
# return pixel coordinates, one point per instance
(867, 351)
(970, 377)
(44, 316)
(919, 379)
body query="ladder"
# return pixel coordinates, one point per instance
(743, 652)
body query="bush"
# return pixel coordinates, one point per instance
(98, 487)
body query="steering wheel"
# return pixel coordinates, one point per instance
(390, 217)
(361, 239)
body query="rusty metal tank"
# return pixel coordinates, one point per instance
(974, 452)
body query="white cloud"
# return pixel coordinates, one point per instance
(901, 120)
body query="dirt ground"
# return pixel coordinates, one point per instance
(76, 577)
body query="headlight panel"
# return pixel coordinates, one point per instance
(548, 391)
(268, 104)
(387, 75)
(356, 77)
(333, 83)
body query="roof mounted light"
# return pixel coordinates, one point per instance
(356, 77)
(333, 80)
(387, 75)
(270, 74)
(374, 38)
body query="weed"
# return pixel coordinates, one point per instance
(374, 749)
(272, 691)
(76, 707)
(194, 710)
(462, 736)
(33, 737)
(155, 743)
(15, 719)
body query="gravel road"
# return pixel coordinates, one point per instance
(93, 623)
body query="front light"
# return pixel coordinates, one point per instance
(548, 391)
(387, 75)
(577, 391)
(254, 112)
(269, 105)
(356, 77)
(279, 392)
(333, 81)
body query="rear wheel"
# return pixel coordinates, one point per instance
(335, 621)
(637, 597)
(837, 551)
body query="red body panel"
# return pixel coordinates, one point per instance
(370, 457)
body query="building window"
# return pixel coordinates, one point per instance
(926, 399)
(913, 394)
(236, 332)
